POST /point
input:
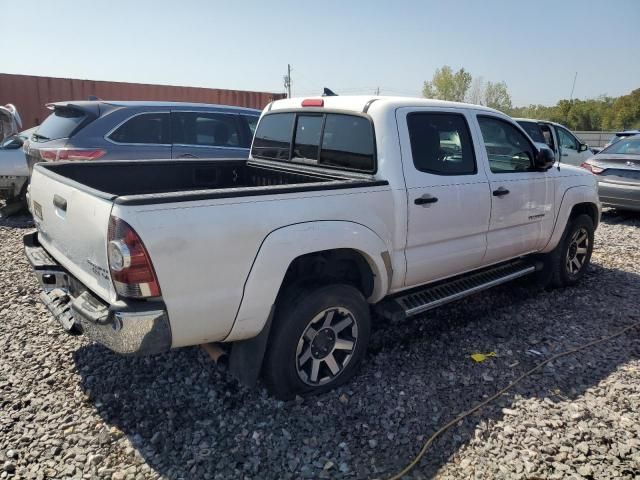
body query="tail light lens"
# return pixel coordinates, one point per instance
(60, 154)
(592, 168)
(131, 269)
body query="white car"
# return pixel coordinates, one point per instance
(10, 121)
(346, 205)
(566, 146)
(14, 172)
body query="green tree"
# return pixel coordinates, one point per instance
(447, 85)
(497, 96)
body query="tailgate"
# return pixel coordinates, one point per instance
(72, 226)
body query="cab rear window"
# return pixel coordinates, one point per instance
(332, 140)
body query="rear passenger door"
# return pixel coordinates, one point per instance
(208, 135)
(447, 193)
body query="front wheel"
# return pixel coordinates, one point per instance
(318, 340)
(569, 260)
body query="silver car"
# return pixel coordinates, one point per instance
(618, 170)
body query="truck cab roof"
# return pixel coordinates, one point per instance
(361, 103)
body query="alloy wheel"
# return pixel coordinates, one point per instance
(326, 346)
(577, 251)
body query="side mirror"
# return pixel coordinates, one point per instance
(583, 147)
(544, 159)
(13, 143)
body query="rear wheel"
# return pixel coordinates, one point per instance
(318, 340)
(569, 260)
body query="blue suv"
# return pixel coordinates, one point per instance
(118, 130)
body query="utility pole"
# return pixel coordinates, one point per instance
(378, 91)
(566, 117)
(287, 81)
(574, 86)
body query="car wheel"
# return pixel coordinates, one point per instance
(570, 259)
(318, 340)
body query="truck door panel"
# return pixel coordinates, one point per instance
(447, 194)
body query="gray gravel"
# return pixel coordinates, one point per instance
(69, 408)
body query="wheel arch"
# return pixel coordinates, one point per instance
(294, 248)
(575, 201)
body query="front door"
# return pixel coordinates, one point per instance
(521, 198)
(447, 194)
(207, 135)
(571, 149)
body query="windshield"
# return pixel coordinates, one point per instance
(534, 131)
(625, 146)
(60, 124)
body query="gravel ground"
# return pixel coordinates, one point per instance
(70, 408)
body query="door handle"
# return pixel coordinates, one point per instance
(425, 200)
(500, 192)
(59, 202)
(187, 155)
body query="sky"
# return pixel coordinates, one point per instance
(352, 47)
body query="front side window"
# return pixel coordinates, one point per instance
(441, 143)
(205, 129)
(567, 140)
(252, 122)
(332, 139)
(507, 148)
(147, 128)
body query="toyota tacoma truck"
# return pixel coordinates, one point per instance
(347, 207)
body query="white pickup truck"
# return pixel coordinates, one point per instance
(348, 206)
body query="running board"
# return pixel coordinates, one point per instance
(431, 296)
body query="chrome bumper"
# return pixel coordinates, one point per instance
(131, 327)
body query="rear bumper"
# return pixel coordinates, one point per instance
(131, 327)
(620, 196)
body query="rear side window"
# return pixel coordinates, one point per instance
(333, 140)
(441, 143)
(205, 129)
(146, 128)
(62, 123)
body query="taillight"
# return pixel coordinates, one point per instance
(60, 154)
(592, 168)
(129, 263)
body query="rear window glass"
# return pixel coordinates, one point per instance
(333, 140)
(60, 124)
(273, 136)
(534, 131)
(147, 128)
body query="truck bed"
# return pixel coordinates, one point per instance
(163, 181)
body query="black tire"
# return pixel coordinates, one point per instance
(294, 351)
(560, 272)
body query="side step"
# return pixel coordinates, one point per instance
(431, 296)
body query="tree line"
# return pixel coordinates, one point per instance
(602, 113)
